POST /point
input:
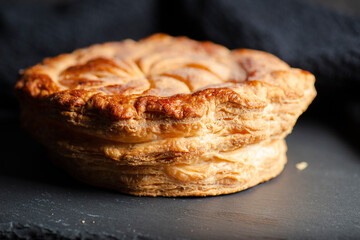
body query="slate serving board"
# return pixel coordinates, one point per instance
(322, 201)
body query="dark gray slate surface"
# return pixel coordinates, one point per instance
(322, 201)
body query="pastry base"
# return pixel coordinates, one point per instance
(211, 174)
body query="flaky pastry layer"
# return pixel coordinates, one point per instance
(211, 174)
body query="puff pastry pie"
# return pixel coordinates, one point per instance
(165, 116)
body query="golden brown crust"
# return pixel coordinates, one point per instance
(161, 100)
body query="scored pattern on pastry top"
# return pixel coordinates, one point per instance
(161, 66)
(171, 66)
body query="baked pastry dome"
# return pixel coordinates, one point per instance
(165, 116)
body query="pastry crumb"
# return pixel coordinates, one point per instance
(301, 165)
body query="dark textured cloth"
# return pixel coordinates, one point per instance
(306, 36)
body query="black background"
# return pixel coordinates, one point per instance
(322, 41)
